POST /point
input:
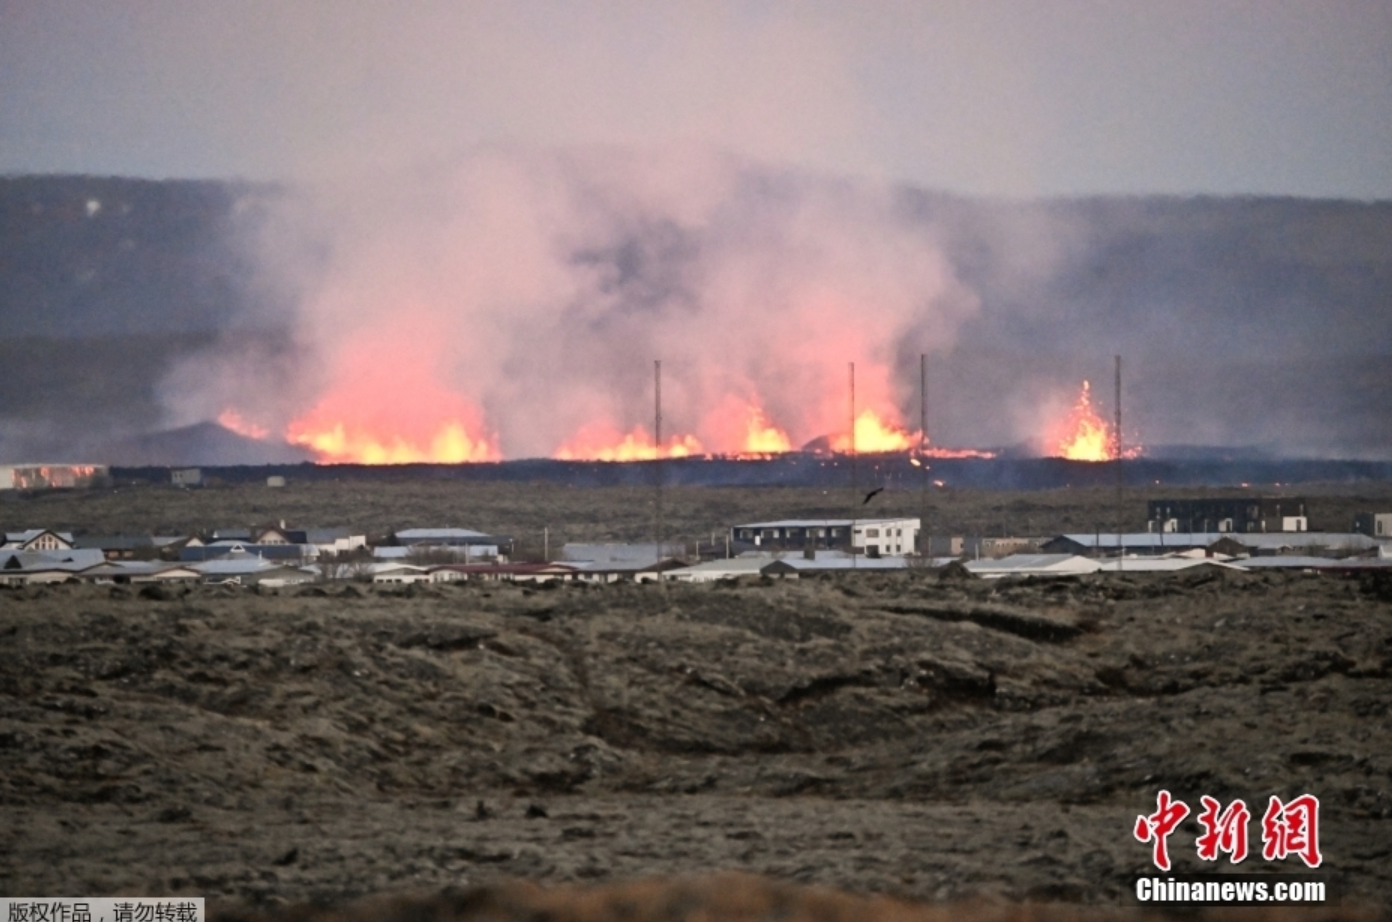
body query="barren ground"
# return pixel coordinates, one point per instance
(523, 510)
(928, 738)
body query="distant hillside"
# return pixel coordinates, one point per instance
(82, 256)
(1255, 322)
(104, 285)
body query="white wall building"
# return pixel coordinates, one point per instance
(873, 537)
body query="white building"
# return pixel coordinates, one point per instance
(872, 537)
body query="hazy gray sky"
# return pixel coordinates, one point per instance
(1000, 97)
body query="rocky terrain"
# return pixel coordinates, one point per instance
(924, 736)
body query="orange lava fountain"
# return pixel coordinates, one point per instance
(873, 434)
(1084, 435)
(738, 427)
(763, 437)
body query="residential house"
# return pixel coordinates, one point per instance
(608, 563)
(37, 539)
(448, 544)
(20, 567)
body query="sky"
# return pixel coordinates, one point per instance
(1005, 98)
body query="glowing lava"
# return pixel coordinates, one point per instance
(1085, 436)
(343, 443)
(386, 406)
(763, 437)
(233, 421)
(873, 434)
(604, 443)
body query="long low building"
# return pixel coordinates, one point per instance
(786, 565)
(1229, 543)
(873, 537)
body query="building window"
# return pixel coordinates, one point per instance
(872, 532)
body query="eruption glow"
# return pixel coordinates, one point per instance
(385, 406)
(601, 443)
(1083, 435)
(873, 434)
(509, 304)
(762, 436)
(741, 427)
(233, 421)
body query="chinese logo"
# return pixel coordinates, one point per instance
(1290, 828)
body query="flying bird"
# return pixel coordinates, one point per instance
(871, 495)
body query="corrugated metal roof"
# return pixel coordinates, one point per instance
(845, 562)
(1166, 564)
(617, 553)
(69, 560)
(1300, 562)
(1264, 540)
(23, 537)
(417, 534)
(1028, 564)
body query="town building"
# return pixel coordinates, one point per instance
(1373, 524)
(137, 547)
(1241, 514)
(1229, 544)
(186, 477)
(872, 537)
(610, 562)
(36, 539)
(446, 544)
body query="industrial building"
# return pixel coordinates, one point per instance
(1242, 514)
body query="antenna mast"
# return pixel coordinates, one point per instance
(854, 484)
(1116, 459)
(924, 538)
(657, 471)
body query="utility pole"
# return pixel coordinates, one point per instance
(657, 470)
(855, 491)
(927, 539)
(1116, 455)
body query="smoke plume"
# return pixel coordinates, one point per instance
(511, 304)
